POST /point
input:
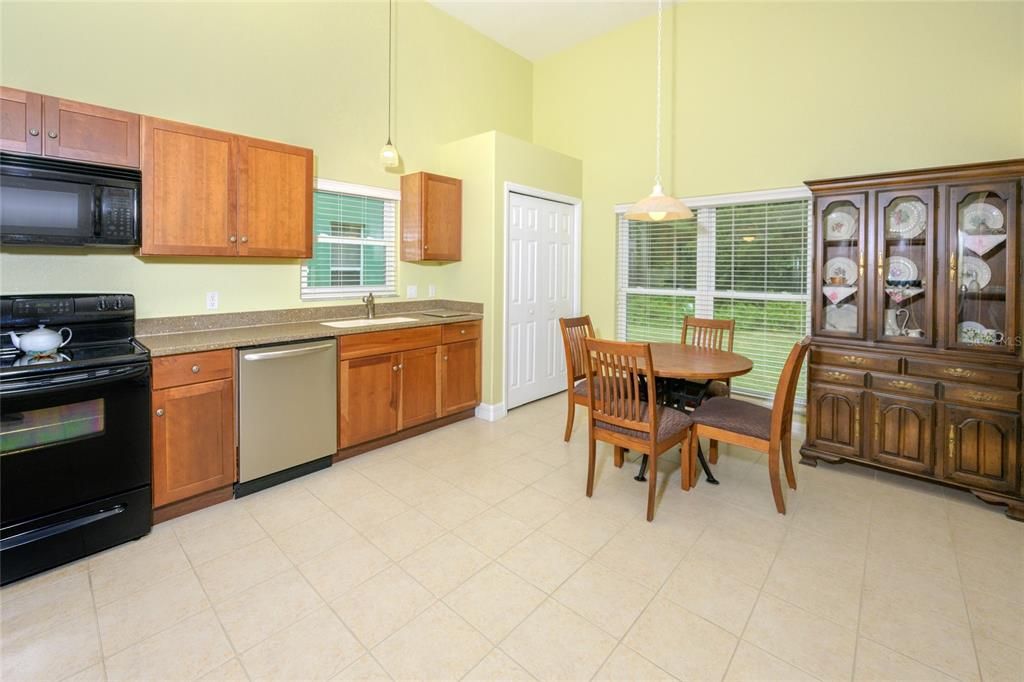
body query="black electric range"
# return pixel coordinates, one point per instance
(75, 450)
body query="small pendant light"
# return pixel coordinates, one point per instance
(388, 153)
(658, 207)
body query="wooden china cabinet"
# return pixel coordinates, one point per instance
(917, 358)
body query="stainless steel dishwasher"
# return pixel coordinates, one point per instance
(287, 412)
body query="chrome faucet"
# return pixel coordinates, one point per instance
(370, 312)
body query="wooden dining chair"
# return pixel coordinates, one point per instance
(624, 411)
(753, 426)
(717, 334)
(574, 331)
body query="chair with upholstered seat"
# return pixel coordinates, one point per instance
(574, 331)
(753, 426)
(624, 410)
(717, 334)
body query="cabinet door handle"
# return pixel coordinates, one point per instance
(52, 134)
(445, 357)
(952, 268)
(232, 239)
(34, 132)
(952, 441)
(160, 412)
(245, 240)
(394, 368)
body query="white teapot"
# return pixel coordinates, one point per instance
(40, 341)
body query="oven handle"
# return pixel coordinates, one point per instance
(58, 528)
(97, 211)
(84, 380)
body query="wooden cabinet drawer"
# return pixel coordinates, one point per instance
(856, 359)
(192, 368)
(461, 331)
(390, 341)
(983, 397)
(988, 376)
(901, 384)
(833, 375)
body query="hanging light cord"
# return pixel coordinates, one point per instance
(389, 70)
(657, 108)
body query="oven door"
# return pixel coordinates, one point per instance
(75, 467)
(40, 210)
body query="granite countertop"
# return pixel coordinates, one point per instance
(171, 336)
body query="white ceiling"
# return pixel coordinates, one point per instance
(538, 28)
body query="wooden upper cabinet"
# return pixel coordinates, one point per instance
(21, 121)
(188, 185)
(431, 217)
(66, 129)
(86, 132)
(275, 199)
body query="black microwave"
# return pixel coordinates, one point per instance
(63, 203)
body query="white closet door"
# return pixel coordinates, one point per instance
(540, 291)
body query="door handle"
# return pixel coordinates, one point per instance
(274, 354)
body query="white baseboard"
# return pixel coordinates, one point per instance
(491, 412)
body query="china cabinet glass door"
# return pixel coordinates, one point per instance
(905, 284)
(983, 275)
(840, 294)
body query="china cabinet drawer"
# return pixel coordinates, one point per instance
(858, 360)
(832, 375)
(903, 384)
(192, 368)
(950, 372)
(983, 397)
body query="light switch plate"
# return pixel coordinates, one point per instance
(431, 290)
(411, 291)
(212, 300)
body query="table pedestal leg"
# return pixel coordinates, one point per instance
(696, 398)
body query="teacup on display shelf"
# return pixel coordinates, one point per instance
(977, 333)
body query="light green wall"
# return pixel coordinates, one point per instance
(485, 163)
(311, 74)
(768, 95)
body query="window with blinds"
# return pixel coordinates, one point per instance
(353, 246)
(746, 261)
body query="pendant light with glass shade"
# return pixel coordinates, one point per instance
(388, 153)
(658, 207)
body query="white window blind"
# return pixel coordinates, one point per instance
(353, 246)
(746, 261)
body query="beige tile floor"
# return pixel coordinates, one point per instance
(472, 553)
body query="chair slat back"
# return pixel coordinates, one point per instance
(705, 333)
(785, 393)
(618, 395)
(574, 331)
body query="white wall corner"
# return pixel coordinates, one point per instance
(491, 412)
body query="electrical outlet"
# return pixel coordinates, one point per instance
(212, 300)
(411, 291)
(431, 290)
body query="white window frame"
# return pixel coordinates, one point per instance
(342, 292)
(705, 294)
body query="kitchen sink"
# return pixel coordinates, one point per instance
(362, 322)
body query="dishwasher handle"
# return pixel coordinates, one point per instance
(275, 354)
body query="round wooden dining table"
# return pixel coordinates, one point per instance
(697, 365)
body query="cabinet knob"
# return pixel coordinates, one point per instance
(462, 331)
(52, 134)
(232, 239)
(195, 369)
(445, 357)
(394, 368)
(34, 132)
(245, 239)
(160, 412)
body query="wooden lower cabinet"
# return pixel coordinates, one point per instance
(367, 398)
(982, 449)
(460, 385)
(193, 440)
(901, 435)
(385, 393)
(833, 419)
